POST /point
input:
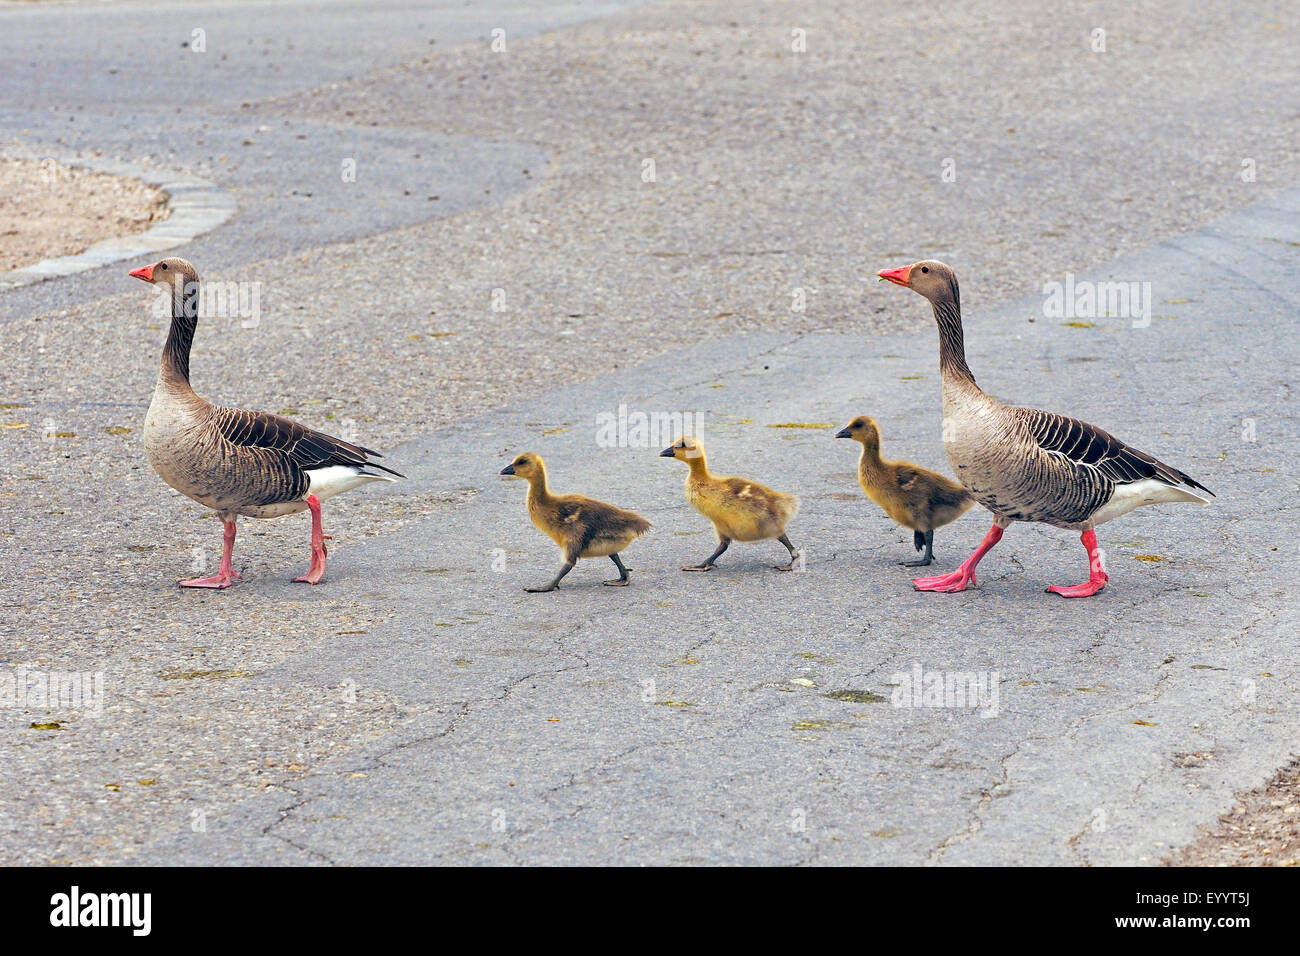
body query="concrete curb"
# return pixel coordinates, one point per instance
(197, 206)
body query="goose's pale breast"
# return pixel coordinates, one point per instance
(996, 458)
(194, 458)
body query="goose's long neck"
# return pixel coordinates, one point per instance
(185, 319)
(952, 342)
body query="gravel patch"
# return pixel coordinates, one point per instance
(1262, 829)
(48, 210)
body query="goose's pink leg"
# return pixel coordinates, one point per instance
(318, 549)
(965, 575)
(225, 574)
(1097, 576)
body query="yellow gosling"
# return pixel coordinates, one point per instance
(740, 509)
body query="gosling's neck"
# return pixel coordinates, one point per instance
(538, 491)
(699, 468)
(871, 460)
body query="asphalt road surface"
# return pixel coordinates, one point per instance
(419, 706)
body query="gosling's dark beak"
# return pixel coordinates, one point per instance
(843, 433)
(508, 470)
(667, 452)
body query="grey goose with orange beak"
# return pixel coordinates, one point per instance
(236, 461)
(1023, 464)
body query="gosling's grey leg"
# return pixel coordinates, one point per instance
(708, 562)
(622, 573)
(555, 582)
(929, 552)
(795, 554)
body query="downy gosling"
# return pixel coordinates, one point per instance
(913, 496)
(740, 509)
(581, 526)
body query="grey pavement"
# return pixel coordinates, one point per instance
(663, 723)
(143, 88)
(419, 706)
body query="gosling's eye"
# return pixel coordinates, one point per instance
(925, 269)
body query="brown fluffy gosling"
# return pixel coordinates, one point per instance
(913, 496)
(581, 526)
(740, 509)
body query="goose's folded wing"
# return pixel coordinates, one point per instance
(598, 517)
(306, 447)
(1089, 445)
(577, 525)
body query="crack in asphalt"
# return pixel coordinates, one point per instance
(976, 822)
(463, 710)
(284, 813)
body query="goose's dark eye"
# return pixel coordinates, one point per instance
(164, 266)
(925, 269)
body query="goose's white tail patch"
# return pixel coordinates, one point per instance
(336, 479)
(1148, 491)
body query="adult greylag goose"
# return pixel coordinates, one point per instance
(1028, 465)
(236, 461)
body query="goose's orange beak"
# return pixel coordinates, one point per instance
(144, 272)
(896, 276)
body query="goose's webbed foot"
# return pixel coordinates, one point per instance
(1097, 576)
(709, 561)
(925, 540)
(318, 550)
(964, 576)
(796, 555)
(226, 574)
(218, 581)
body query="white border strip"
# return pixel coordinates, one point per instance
(197, 206)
